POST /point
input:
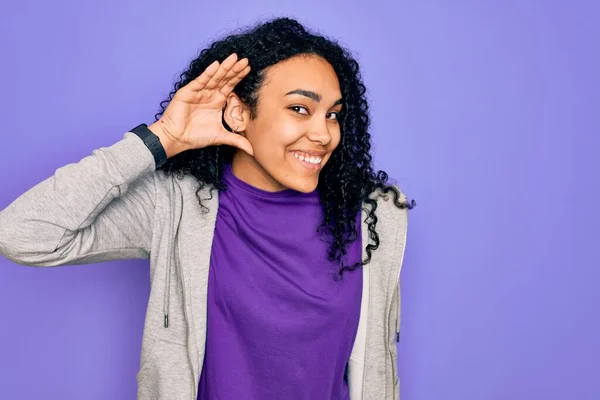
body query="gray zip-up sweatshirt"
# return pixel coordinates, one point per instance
(114, 205)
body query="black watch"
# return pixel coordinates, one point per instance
(153, 143)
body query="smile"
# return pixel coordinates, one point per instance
(308, 161)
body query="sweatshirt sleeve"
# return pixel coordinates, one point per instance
(98, 209)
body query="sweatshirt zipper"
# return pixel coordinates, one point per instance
(185, 308)
(392, 314)
(397, 316)
(397, 288)
(398, 281)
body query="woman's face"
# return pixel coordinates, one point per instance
(296, 128)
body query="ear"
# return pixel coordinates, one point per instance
(236, 113)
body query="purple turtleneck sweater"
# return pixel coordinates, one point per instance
(278, 325)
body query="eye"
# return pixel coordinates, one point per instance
(297, 108)
(336, 115)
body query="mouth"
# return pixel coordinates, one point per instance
(312, 163)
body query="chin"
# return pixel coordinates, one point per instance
(299, 177)
(302, 184)
(306, 189)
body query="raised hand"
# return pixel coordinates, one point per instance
(192, 120)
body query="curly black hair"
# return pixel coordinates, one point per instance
(348, 179)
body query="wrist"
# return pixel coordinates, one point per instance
(172, 147)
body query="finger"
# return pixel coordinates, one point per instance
(236, 69)
(235, 140)
(200, 82)
(226, 65)
(228, 87)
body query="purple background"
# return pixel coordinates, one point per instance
(486, 112)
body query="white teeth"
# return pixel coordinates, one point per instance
(312, 160)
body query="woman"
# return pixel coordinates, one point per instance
(257, 230)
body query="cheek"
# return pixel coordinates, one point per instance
(336, 139)
(290, 131)
(277, 136)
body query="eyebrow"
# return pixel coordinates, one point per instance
(312, 95)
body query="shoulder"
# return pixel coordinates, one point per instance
(391, 213)
(167, 182)
(392, 205)
(185, 188)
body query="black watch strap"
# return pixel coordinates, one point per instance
(153, 143)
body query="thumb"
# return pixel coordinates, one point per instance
(236, 140)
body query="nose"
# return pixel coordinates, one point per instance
(319, 132)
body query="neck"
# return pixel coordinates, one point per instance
(247, 169)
